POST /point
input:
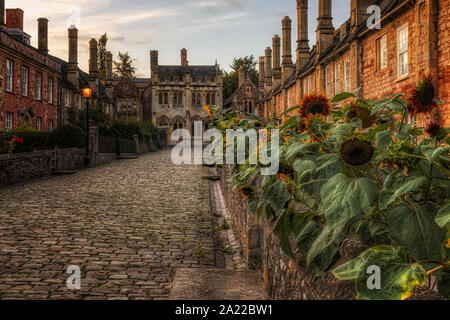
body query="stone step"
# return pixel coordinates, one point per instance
(217, 284)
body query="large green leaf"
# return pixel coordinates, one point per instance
(282, 230)
(444, 286)
(303, 167)
(278, 196)
(432, 154)
(415, 229)
(443, 216)
(325, 247)
(342, 96)
(307, 237)
(397, 278)
(345, 198)
(299, 148)
(396, 185)
(383, 139)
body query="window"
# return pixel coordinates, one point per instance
(38, 124)
(38, 86)
(347, 75)
(50, 90)
(382, 52)
(403, 52)
(193, 99)
(310, 84)
(25, 81)
(213, 96)
(160, 98)
(305, 86)
(328, 81)
(9, 121)
(50, 125)
(166, 98)
(199, 101)
(337, 78)
(9, 75)
(67, 99)
(208, 98)
(180, 97)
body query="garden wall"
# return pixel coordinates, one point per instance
(285, 278)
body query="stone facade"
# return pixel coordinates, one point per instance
(354, 56)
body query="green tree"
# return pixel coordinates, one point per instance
(102, 41)
(124, 66)
(231, 79)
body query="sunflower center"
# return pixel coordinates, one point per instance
(316, 107)
(426, 94)
(356, 152)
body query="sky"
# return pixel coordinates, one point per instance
(211, 30)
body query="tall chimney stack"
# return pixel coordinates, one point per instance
(276, 73)
(358, 9)
(302, 41)
(242, 76)
(325, 29)
(261, 74)
(154, 65)
(2, 14)
(109, 58)
(93, 56)
(43, 35)
(268, 73)
(184, 61)
(72, 69)
(287, 68)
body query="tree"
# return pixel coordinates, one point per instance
(124, 66)
(102, 41)
(231, 79)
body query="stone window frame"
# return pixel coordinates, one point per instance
(38, 86)
(67, 99)
(25, 81)
(38, 124)
(50, 90)
(403, 52)
(381, 65)
(347, 75)
(50, 125)
(208, 98)
(337, 77)
(328, 80)
(9, 121)
(9, 75)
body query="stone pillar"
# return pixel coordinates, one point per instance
(93, 56)
(43, 35)
(325, 29)
(136, 141)
(261, 74)
(93, 145)
(358, 11)
(302, 40)
(2, 14)
(72, 69)
(241, 76)
(184, 60)
(268, 73)
(109, 59)
(287, 67)
(154, 65)
(276, 72)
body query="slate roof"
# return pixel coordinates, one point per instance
(178, 72)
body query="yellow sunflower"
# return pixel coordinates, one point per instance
(207, 109)
(314, 104)
(421, 98)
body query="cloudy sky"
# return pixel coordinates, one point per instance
(209, 29)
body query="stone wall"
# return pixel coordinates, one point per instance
(285, 278)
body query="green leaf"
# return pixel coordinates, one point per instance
(290, 123)
(290, 110)
(443, 216)
(432, 154)
(278, 196)
(383, 139)
(444, 286)
(415, 229)
(396, 185)
(307, 237)
(325, 247)
(327, 160)
(342, 130)
(345, 198)
(303, 167)
(298, 148)
(342, 96)
(282, 230)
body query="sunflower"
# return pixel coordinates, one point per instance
(245, 193)
(314, 104)
(435, 130)
(356, 151)
(284, 178)
(301, 125)
(313, 124)
(356, 111)
(421, 98)
(207, 109)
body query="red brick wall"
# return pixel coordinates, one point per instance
(444, 59)
(14, 18)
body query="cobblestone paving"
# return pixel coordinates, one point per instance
(128, 225)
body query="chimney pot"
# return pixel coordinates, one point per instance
(2, 14)
(184, 61)
(325, 29)
(302, 41)
(109, 59)
(43, 35)
(93, 56)
(242, 76)
(261, 73)
(14, 19)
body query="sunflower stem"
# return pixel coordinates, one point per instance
(430, 179)
(403, 120)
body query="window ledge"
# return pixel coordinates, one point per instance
(402, 78)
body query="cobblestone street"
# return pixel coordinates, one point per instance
(128, 225)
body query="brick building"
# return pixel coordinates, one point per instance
(414, 37)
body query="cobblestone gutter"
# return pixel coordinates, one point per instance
(285, 278)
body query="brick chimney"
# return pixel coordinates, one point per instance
(184, 60)
(268, 72)
(261, 74)
(14, 19)
(2, 14)
(302, 40)
(154, 65)
(93, 56)
(287, 67)
(242, 75)
(72, 69)
(325, 29)
(109, 59)
(43, 35)
(359, 15)
(276, 72)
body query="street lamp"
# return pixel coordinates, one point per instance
(87, 93)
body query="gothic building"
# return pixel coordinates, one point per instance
(414, 37)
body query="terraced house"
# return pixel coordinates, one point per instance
(413, 37)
